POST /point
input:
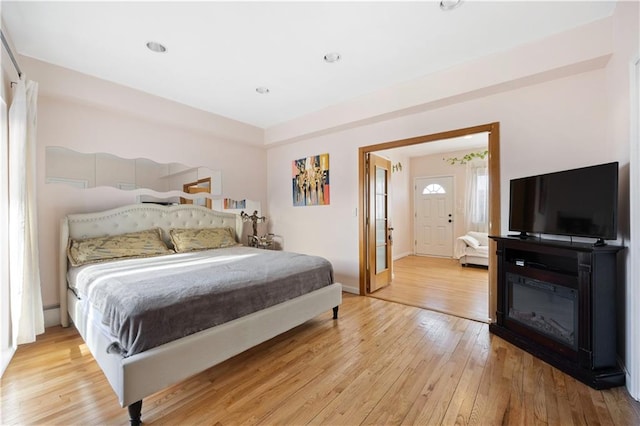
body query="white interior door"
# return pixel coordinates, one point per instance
(434, 216)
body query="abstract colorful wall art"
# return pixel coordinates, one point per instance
(310, 181)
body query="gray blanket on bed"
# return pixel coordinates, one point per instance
(148, 302)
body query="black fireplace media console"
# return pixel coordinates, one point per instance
(557, 301)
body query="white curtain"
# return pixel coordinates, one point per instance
(477, 196)
(27, 317)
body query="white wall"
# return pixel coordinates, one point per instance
(401, 209)
(85, 121)
(619, 84)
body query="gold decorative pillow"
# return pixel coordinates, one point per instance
(135, 244)
(202, 239)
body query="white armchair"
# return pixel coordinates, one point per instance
(473, 248)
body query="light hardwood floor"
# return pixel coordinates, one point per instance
(441, 285)
(379, 363)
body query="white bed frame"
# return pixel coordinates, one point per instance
(140, 375)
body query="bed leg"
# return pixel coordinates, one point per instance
(135, 412)
(335, 312)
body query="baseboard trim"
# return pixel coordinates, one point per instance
(51, 316)
(401, 255)
(350, 289)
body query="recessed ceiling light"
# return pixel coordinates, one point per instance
(449, 4)
(262, 90)
(156, 47)
(332, 57)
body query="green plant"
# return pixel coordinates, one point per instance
(467, 157)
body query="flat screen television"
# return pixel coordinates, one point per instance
(579, 202)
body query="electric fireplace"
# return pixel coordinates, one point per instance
(556, 300)
(545, 308)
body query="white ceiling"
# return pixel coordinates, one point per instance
(477, 141)
(219, 52)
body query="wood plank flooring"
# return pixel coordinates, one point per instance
(441, 285)
(379, 363)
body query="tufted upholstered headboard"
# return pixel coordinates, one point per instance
(131, 218)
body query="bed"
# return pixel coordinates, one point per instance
(129, 351)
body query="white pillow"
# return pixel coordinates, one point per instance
(471, 242)
(481, 237)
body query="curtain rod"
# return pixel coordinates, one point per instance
(13, 59)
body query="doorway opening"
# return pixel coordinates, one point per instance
(493, 146)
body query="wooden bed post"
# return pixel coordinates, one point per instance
(335, 312)
(135, 413)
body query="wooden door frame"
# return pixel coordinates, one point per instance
(494, 195)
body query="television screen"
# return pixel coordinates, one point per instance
(580, 202)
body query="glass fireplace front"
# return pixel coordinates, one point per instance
(547, 308)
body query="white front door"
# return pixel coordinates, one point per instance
(434, 216)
